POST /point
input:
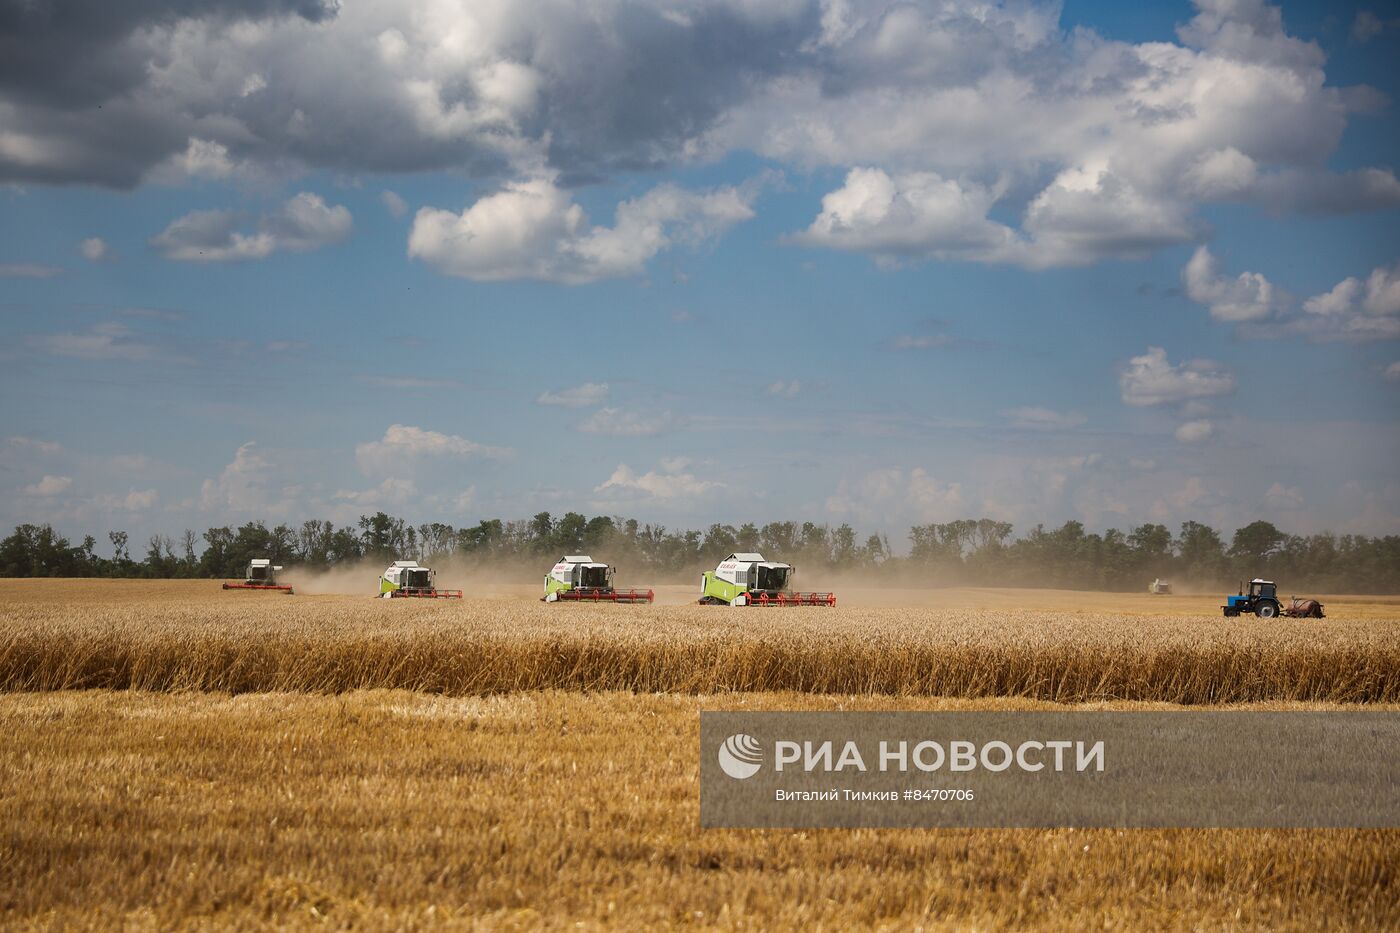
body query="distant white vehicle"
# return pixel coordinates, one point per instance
(1160, 588)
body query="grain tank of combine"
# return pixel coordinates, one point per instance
(260, 575)
(578, 577)
(748, 579)
(408, 578)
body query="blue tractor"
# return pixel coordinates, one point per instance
(1261, 600)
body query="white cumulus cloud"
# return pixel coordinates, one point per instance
(93, 249)
(402, 444)
(1151, 380)
(916, 214)
(244, 485)
(534, 230)
(49, 486)
(1355, 309)
(1341, 299)
(1195, 432)
(305, 222)
(1247, 297)
(625, 484)
(1383, 290)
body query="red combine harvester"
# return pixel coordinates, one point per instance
(406, 579)
(579, 578)
(750, 580)
(261, 575)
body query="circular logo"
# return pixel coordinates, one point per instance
(740, 756)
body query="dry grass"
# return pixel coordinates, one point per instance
(400, 810)
(184, 636)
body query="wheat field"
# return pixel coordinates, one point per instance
(192, 636)
(177, 757)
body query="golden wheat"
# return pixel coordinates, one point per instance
(241, 642)
(400, 810)
(520, 809)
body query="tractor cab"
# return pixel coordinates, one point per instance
(1258, 588)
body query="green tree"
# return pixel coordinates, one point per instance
(747, 537)
(1201, 552)
(568, 533)
(1256, 543)
(542, 534)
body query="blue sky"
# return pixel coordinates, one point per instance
(883, 263)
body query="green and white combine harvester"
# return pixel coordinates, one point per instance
(406, 578)
(579, 578)
(747, 579)
(261, 575)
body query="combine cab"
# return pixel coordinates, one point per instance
(749, 580)
(407, 579)
(579, 577)
(1159, 588)
(261, 575)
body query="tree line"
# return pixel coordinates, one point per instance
(979, 552)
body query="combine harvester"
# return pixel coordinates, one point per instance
(260, 575)
(749, 580)
(579, 577)
(407, 579)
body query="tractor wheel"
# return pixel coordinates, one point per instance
(1266, 610)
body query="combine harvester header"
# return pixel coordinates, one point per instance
(407, 579)
(746, 579)
(579, 577)
(260, 575)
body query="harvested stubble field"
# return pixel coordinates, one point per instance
(537, 765)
